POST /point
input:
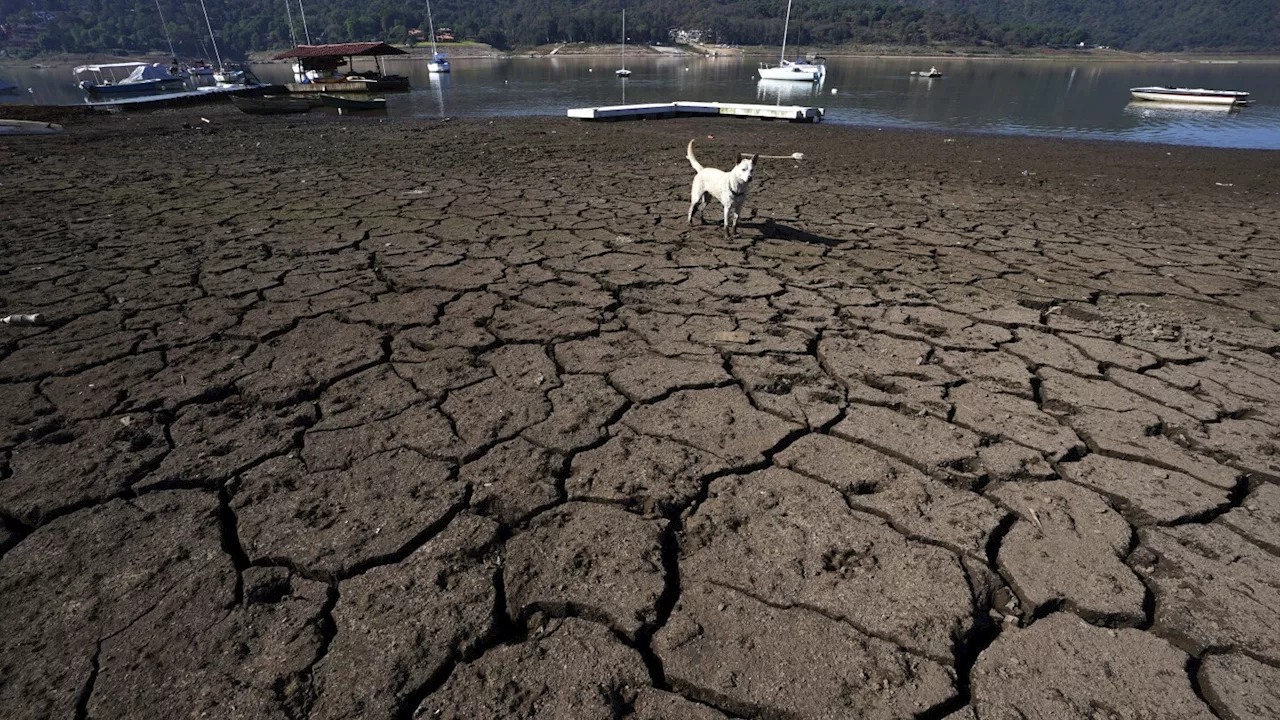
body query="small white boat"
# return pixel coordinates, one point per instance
(623, 71)
(801, 70)
(439, 62)
(932, 72)
(1199, 96)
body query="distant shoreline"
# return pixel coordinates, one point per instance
(473, 51)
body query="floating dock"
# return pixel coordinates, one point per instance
(790, 113)
(187, 97)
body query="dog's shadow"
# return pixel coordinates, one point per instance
(771, 229)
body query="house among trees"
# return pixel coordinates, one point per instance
(444, 34)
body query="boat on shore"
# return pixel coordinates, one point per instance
(272, 105)
(1199, 96)
(346, 103)
(142, 78)
(801, 70)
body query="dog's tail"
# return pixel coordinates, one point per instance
(693, 160)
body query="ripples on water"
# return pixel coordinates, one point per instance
(1021, 97)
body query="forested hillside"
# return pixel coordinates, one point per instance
(28, 26)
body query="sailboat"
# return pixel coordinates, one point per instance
(439, 61)
(801, 70)
(623, 71)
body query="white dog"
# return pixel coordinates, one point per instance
(730, 188)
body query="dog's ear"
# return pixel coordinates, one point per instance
(753, 157)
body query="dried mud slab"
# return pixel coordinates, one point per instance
(1068, 547)
(216, 441)
(1146, 494)
(581, 409)
(729, 650)
(793, 387)
(86, 463)
(1213, 589)
(570, 668)
(1257, 519)
(1238, 687)
(587, 560)
(648, 377)
(791, 542)
(255, 658)
(304, 360)
(401, 625)
(1133, 435)
(999, 415)
(330, 523)
(720, 421)
(923, 441)
(1061, 667)
(653, 475)
(658, 705)
(512, 481)
(91, 575)
(912, 502)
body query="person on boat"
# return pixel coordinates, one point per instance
(174, 69)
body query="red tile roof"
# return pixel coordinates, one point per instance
(341, 50)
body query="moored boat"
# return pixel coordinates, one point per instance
(439, 62)
(1200, 96)
(272, 105)
(801, 70)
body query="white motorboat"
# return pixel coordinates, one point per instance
(623, 71)
(932, 72)
(801, 70)
(1199, 96)
(439, 61)
(141, 78)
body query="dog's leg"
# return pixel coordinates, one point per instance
(728, 210)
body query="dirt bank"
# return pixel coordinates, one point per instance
(342, 417)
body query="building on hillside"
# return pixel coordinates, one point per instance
(445, 34)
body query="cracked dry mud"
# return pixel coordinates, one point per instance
(355, 419)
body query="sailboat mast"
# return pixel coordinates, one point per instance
(305, 31)
(431, 25)
(288, 11)
(624, 38)
(786, 25)
(212, 39)
(165, 27)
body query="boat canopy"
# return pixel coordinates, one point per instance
(108, 66)
(341, 50)
(154, 71)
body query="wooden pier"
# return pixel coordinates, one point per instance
(790, 113)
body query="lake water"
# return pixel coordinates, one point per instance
(1058, 98)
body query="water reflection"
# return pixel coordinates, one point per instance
(788, 92)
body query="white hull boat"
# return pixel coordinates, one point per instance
(787, 70)
(1198, 96)
(799, 70)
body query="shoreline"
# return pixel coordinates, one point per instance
(485, 52)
